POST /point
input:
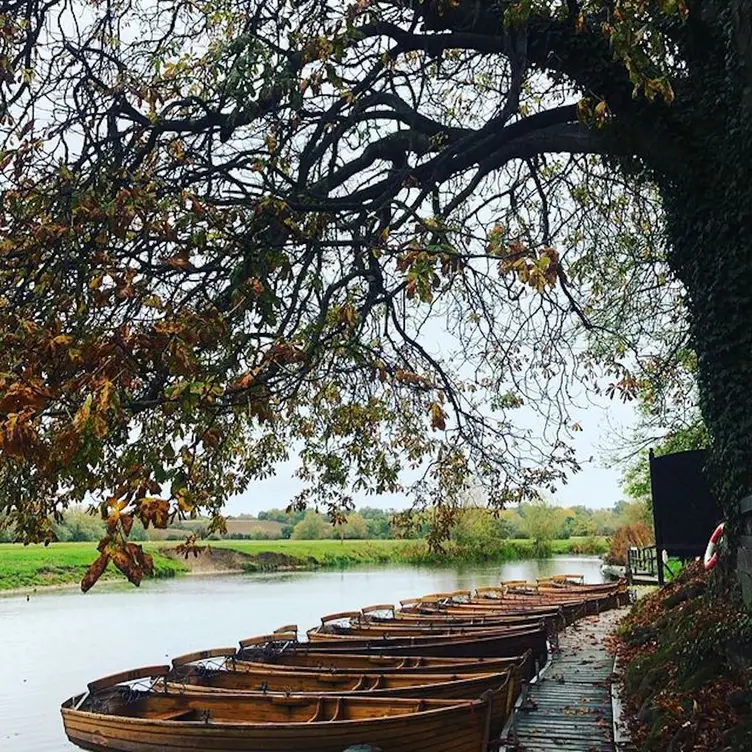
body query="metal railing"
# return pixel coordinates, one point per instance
(647, 566)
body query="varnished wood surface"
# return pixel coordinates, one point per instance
(439, 686)
(487, 644)
(261, 725)
(399, 628)
(348, 662)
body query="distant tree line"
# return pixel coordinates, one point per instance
(475, 527)
(78, 525)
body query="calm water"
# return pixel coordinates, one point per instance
(53, 644)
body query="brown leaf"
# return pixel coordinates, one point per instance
(438, 417)
(155, 511)
(123, 560)
(17, 435)
(18, 397)
(94, 572)
(180, 262)
(212, 437)
(142, 559)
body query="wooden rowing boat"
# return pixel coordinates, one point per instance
(489, 607)
(593, 603)
(399, 631)
(219, 669)
(418, 637)
(368, 622)
(374, 664)
(383, 613)
(115, 716)
(350, 624)
(484, 644)
(438, 686)
(501, 601)
(502, 689)
(558, 615)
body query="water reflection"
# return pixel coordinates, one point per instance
(53, 644)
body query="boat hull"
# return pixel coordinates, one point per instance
(460, 727)
(482, 645)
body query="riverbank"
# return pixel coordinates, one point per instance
(60, 564)
(335, 553)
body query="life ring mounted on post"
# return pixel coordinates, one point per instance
(711, 552)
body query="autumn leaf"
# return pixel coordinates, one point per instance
(126, 520)
(122, 559)
(185, 504)
(182, 263)
(61, 342)
(190, 546)
(197, 208)
(82, 414)
(99, 425)
(153, 511)
(17, 435)
(94, 572)
(19, 396)
(212, 437)
(106, 395)
(113, 509)
(143, 560)
(244, 381)
(438, 417)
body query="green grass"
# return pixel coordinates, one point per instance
(325, 553)
(62, 564)
(512, 549)
(65, 563)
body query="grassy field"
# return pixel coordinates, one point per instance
(62, 564)
(65, 563)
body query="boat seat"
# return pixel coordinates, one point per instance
(173, 715)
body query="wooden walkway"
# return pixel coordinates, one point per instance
(569, 707)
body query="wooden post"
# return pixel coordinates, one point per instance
(658, 533)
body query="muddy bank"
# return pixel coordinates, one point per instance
(213, 560)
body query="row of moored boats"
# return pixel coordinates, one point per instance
(441, 672)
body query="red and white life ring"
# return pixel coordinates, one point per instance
(711, 552)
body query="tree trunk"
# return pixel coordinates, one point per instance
(710, 226)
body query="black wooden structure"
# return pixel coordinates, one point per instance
(685, 512)
(744, 553)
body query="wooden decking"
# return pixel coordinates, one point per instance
(569, 707)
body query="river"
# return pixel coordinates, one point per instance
(54, 643)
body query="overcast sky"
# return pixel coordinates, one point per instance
(594, 486)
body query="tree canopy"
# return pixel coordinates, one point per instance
(384, 235)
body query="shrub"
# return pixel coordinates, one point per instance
(312, 527)
(591, 546)
(639, 534)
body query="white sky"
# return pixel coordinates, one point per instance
(594, 486)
